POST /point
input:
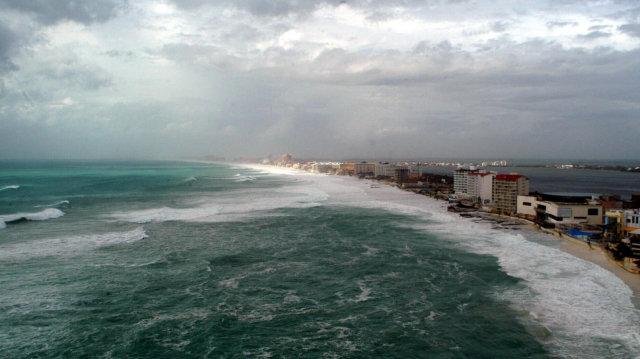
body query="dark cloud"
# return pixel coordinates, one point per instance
(190, 53)
(296, 7)
(594, 35)
(553, 24)
(85, 77)
(52, 11)
(256, 7)
(318, 91)
(632, 29)
(244, 33)
(500, 26)
(45, 13)
(598, 27)
(8, 40)
(629, 14)
(67, 69)
(126, 55)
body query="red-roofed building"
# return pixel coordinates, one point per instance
(506, 189)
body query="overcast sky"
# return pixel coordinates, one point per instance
(339, 79)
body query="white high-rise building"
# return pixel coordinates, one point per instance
(461, 178)
(480, 186)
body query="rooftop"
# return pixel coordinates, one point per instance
(508, 177)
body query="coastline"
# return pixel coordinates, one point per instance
(591, 254)
(583, 252)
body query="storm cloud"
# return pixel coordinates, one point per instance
(336, 79)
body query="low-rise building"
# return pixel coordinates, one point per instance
(622, 222)
(324, 167)
(561, 210)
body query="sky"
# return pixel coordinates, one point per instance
(320, 79)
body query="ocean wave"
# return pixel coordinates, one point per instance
(581, 303)
(588, 309)
(164, 214)
(190, 179)
(55, 204)
(49, 213)
(69, 245)
(246, 178)
(238, 178)
(9, 187)
(238, 207)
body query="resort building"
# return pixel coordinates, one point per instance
(386, 169)
(325, 167)
(505, 192)
(460, 179)
(364, 168)
(401, 175)
(561, 209)
(622, 222)
(480, 186)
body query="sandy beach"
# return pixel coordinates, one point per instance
(583, 252)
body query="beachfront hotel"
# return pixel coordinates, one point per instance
(506, 189)
(461, 178)
(480, 186)
(561, 209)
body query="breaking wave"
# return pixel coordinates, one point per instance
(164, 214)
(231, 209)
(49, 213)
(9, 187)
(55, 204)
(246, 178)
(190, 179)
(587, 309)
(69, 245)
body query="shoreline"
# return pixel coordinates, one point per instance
(578, 250)
(583, 251)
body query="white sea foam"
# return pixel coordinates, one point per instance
(587, 308)
(69, 245)
(370, 251)
(292, 299)
(9, 187)
(164, 214)
(49, 213)
(364, 295)
(237, 206)
(54, 204)
(190, 179)
(245, 178)
(232, 282)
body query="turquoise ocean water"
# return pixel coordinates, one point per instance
(187, 260)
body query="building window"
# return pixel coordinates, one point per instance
(580, 217)
(526, 203)
(593, 212)
(541, 206)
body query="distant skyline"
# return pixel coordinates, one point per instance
(333, 79)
